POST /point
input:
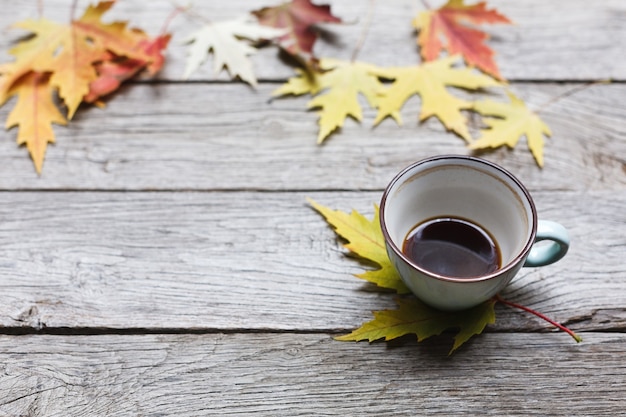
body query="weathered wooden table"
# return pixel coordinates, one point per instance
(166, 261)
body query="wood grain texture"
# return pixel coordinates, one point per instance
(297, 375)
(557, 40)
(223, 137)
(167, 263)
(258, 261)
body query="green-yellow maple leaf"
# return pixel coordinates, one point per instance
(429, 81)
(306, 82)
(513, 121)
(365, 239)
(415, 317)
(339, 84)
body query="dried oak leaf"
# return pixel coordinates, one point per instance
(229, 41)
(298, 17)
(507, 123)
(429, 81)
(337, 87)
(365, 239)
(446, 23)
(415, 317)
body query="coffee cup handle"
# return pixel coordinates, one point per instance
(546, 254)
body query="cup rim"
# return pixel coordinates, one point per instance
(498, 272)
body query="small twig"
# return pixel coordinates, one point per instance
(541, 316)
(73, 10)
(366, 27)
(177, 10)
(569, 93)
(426, 5)
(187, 11)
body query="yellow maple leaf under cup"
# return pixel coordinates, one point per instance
(365, 239)
(415, 317)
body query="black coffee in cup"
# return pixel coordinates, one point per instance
(452, 247)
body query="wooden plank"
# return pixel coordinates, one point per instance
(300, 374)
(258, 261)
(221, 137)
(557, 40)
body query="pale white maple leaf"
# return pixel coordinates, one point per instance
(229, 41)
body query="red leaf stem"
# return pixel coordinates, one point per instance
(577, 338)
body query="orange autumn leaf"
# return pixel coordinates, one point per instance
(79, 61)
(69, 52)
(34, 113)
(448, 24)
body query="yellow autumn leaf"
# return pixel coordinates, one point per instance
(415, 317)
(513, 121)
(34, 113)
(339, 84)
(365, 239)
(306, 82)
(430, 81)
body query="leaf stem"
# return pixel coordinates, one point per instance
(73, 10)
(366, 28)
(570, 92)
(189, 13)
(177, 10)
(577, 338)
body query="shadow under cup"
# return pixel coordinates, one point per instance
(467, 188)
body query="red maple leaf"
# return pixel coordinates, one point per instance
(298, 18)
(447, 23)
(113, 70)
